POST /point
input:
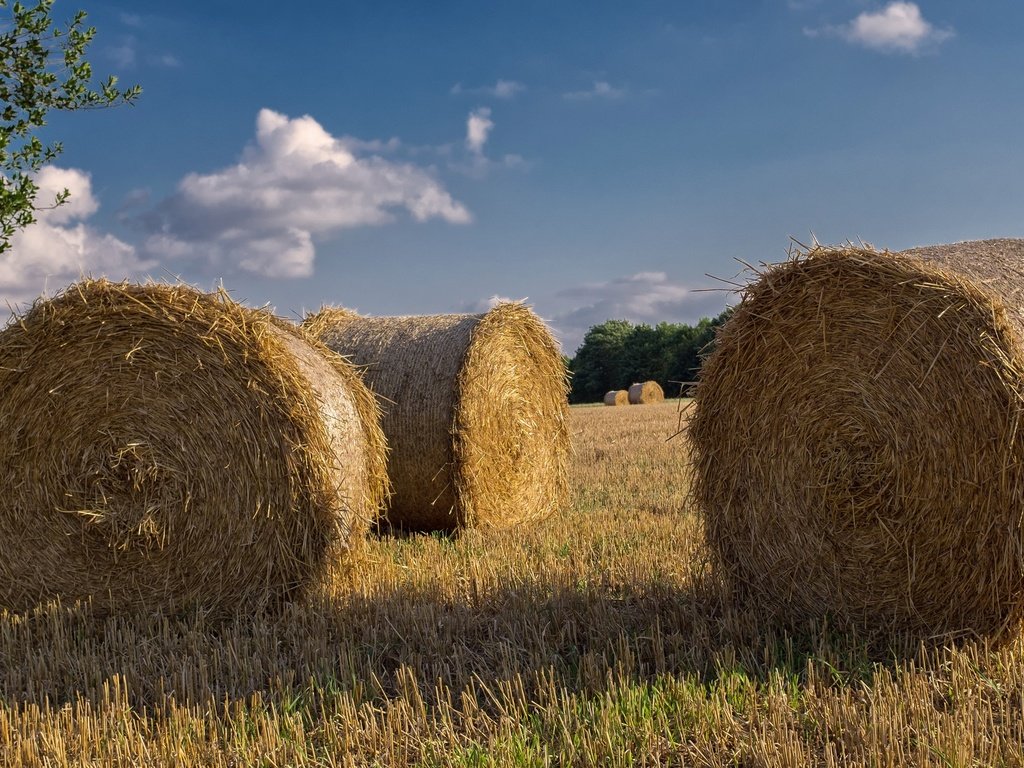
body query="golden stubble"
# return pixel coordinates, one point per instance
(594, 637)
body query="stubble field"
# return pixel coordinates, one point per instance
(596, 638)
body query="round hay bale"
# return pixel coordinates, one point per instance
(475, 412)
(168, 450)
(859, 452)
(646, 393)
(617, 397)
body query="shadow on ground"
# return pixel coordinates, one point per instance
(371, 646)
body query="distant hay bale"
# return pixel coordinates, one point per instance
(475, 412)
(859, 451)
(617, 397)
(168, 450)
(646, 393)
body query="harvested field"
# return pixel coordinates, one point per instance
(859, 451)
(170, 450)
(475, 413)
(592, 638)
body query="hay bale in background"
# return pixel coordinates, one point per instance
(475, 412)
(616, 397)
(166, 449)
(646, 393)
(859, 451)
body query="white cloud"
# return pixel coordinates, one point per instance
(506, 89)
(165, 60)
(372, 145)
(60, 247)
(600, 90)
(502, 89)
(475, 161)
(899, 27)
(478, 128)
(130, 51)
(295, 183)
(51, 181)
(644, 297)
(123, 55)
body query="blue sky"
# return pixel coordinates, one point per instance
(598, 158)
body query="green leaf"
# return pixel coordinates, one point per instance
(42, 69)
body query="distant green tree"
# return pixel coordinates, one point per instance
(692, 354)
(42, 68)
(707, 341)
(599, 364)
(617, 353)
(640, 355)
(671, 337)
(682, 359)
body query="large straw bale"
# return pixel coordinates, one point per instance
(859, 451)
(166, 449)
(646, 393)
(475, 412)
(616, 397)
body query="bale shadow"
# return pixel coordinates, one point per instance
(583, 635)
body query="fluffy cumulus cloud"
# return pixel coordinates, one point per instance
(475, 161)
(899, 27)
(478, 128)
(296, 182)
(61, 247)
(645, 297)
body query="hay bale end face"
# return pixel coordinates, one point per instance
(617, 397)
(646, 393)
(859, 452)
(475, 412)
(166, 449)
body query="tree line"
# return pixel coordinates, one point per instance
(617, 353)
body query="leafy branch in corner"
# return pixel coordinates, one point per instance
(42, 68)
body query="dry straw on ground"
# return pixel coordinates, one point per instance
(167, 449)
(645, 393)
(859, 451)
(616, 397)
(475, 412)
